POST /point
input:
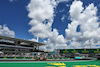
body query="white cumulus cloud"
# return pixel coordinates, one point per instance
(4, 30)
(87, 18)
(55, 41)
(41, 13)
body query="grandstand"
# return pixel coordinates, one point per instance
(79, 52)
(14, 48)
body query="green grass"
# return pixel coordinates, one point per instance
(49, 64)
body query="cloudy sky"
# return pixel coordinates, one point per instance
(62, 24)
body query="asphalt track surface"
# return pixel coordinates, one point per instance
(82, 63)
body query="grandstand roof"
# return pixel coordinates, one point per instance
(21, 40)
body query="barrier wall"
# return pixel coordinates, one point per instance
(79, 50)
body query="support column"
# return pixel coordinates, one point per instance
(38, 47)
(34, 47)
(17, 44)
(15, 49)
